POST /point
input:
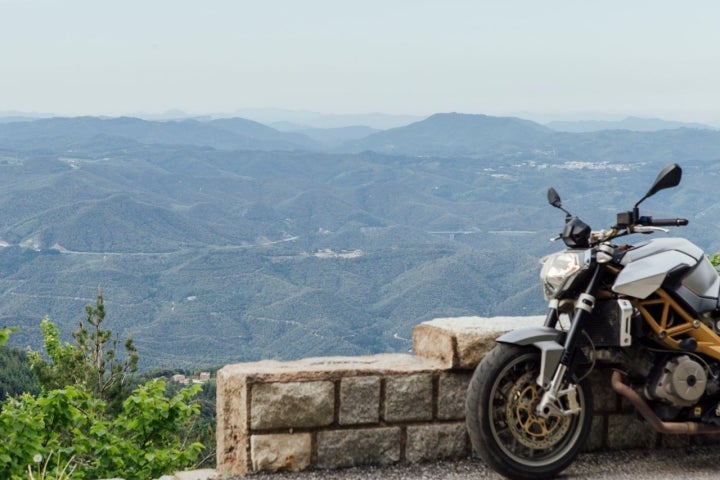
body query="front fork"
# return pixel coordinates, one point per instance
(551, 403)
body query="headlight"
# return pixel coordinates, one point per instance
(560, 269)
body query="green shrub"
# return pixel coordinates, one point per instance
(92, 362)
(5, 334)
(715, 259)
(85, 423)
(145, 440)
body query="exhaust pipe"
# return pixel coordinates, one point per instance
(673, 428)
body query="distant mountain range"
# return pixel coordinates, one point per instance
(635, 124)
(377, 121)
(446, 134)
(457, 134)
(227, 134)
(267, 116)
(227, 240)
(328, 137)
(452, 134)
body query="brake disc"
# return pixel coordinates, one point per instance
(526, 427)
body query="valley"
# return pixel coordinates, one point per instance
(208, 253)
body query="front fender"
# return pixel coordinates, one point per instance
(545, 339)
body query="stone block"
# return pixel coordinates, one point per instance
(436, 441)
(359, 400)
(452, 390)
(293, 404)
(365, 446)
(595, 440)
(627, 431)
(275, 452)
(232, 424)
(330, 368)
(434, 343)
(604, 397)
(461, 342)
(408, 398)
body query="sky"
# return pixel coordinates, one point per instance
(537, 59)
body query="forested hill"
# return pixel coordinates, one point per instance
(443, 135)
(227, 240)
(453, 134)
(67, 133)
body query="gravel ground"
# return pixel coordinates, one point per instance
(689, 463)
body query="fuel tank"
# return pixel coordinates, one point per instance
(647, 266)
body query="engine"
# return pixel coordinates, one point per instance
(681, 382)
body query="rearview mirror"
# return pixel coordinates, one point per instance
(667, 178)
(554, 198)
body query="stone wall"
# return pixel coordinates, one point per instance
(338, 412)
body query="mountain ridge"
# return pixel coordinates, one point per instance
(457, 132)
(637, 124)
(210, 256)
(63, 132)
(440, 135)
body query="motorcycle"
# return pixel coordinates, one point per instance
(651, 310)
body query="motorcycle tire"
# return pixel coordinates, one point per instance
(503, 426)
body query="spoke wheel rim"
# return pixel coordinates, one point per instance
(522, 435)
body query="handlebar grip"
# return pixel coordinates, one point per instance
(669, 222)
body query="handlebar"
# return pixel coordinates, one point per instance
(664, 222)
(629, 223)
(670, 222)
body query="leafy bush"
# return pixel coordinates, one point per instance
(87, 421)
(92, 362)
(715, 259)
(144, 441)
(5, 334)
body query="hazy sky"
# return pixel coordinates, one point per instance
(541, 59)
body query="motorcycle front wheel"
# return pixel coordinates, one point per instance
(504, 429)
